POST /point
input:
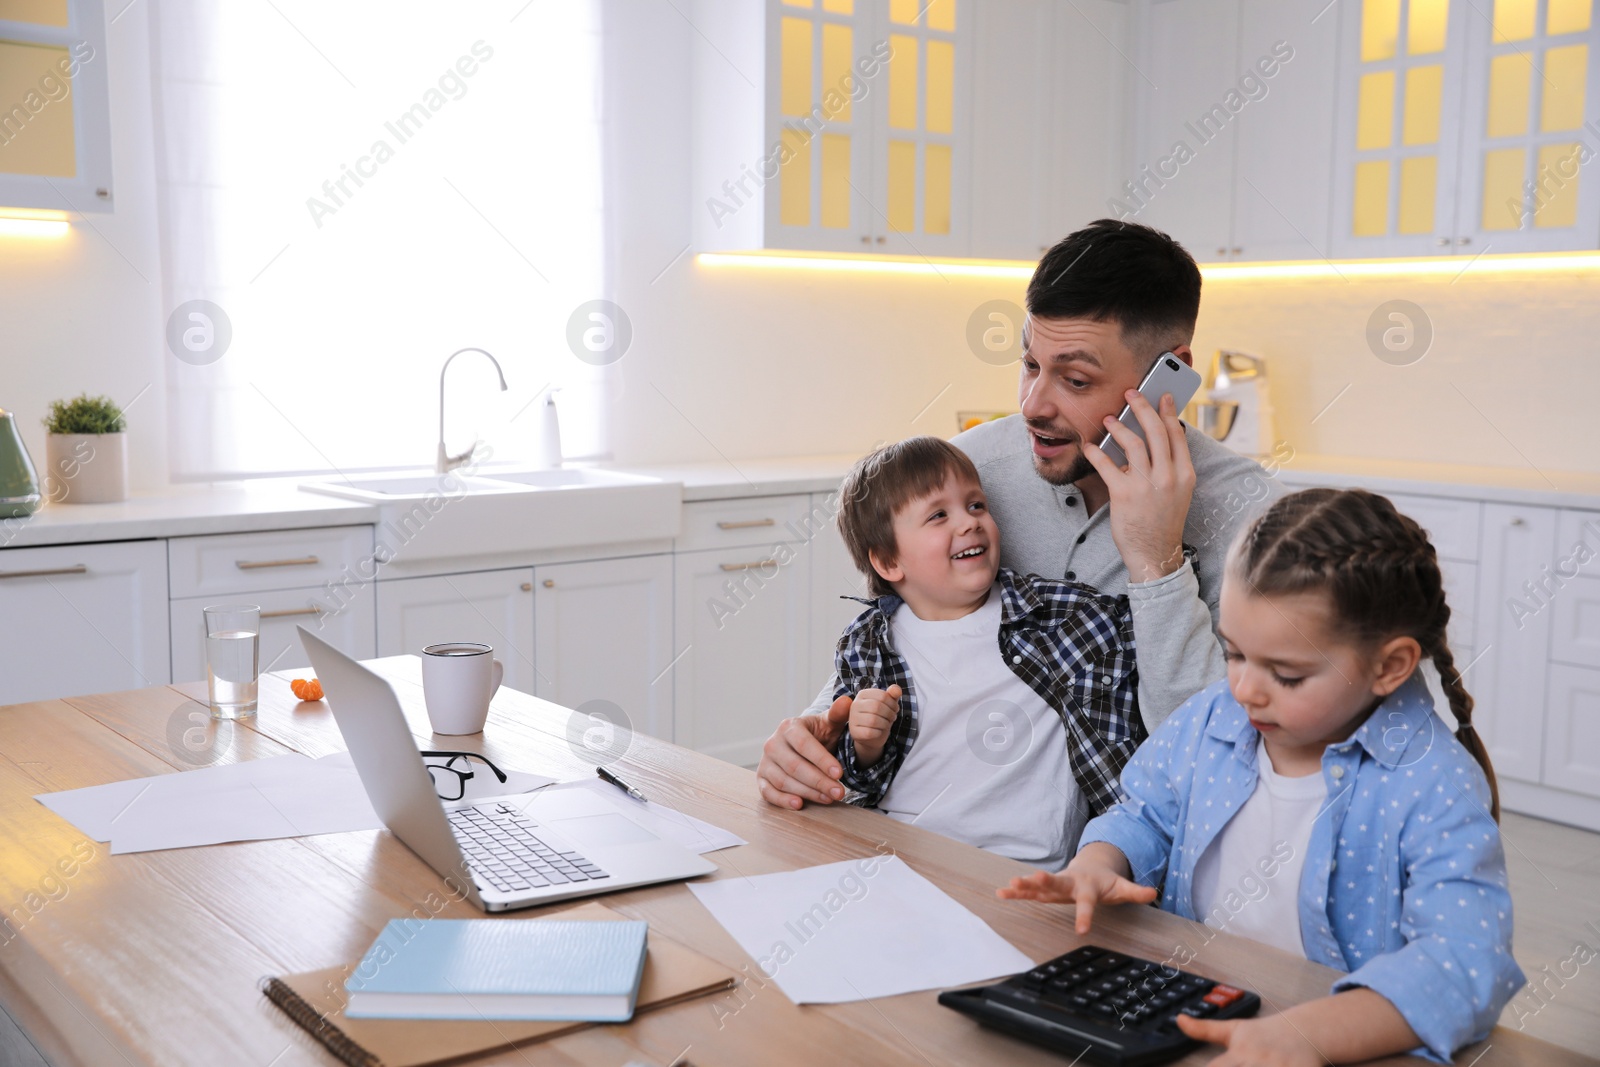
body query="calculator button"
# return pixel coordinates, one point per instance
(1201, 1010)
(1223, 995)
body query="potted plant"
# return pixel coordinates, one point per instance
(86, 451)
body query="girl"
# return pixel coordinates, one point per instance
(1314, 801)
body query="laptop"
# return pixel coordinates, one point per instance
(501, 853)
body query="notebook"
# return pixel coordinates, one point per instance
(673, 973)
(491, 969)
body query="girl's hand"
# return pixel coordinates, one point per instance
(1085, 883)
(1269, 1042)
(872, 713)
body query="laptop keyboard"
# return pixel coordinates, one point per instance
(503, 850)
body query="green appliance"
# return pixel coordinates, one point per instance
(19, 483)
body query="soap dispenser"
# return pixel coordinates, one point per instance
(548, 441)
(19, 482)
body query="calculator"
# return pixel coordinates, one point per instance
(1102, 1007)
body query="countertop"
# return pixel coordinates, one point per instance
(278, 503)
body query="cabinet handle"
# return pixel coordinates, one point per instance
(257, 564)
(527, 587)
(882, 239)
(1518, 520)
(1463, 240)
(747, 524)
(549, 583)
(287, 612)
(1222, 251)
(1238, 251)
(77, 568)
(1441, 241)
(749, 566)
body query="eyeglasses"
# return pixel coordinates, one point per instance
(450, 777)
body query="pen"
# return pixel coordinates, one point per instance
(607, 776)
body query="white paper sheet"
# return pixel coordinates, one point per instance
(694, 834)
(856, 930)
(283, 796)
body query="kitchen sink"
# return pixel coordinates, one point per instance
(426, 516)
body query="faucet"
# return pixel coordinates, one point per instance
(445, 461)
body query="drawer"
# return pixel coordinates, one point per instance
(1576, 635)
(1578, 538)
(223, 564)
(761, 520)
(348, 622)
(1452, 524)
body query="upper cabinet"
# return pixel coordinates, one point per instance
(910, 127)
(55, 126)
(1460, 128)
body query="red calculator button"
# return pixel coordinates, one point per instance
(1223, 995)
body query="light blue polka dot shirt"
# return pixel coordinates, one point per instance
(1404, 884)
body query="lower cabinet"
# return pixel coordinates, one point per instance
(1572, 730)
(741, 622)
(348, 626)
(833, 577)
(603, 639)
(78, 619)
(490, 607)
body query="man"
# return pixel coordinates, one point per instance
(1103, 304)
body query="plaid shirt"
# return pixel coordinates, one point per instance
(1072, 646)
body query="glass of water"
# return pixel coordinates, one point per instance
(233, 649)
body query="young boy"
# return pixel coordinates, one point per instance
(992, 707)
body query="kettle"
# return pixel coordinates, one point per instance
(19, 482)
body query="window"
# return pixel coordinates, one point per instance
(55, 140)
(347, 198)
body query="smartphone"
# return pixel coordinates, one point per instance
(1168, 374)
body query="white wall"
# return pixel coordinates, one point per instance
(82, 313)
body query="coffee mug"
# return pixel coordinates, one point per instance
(458, 680)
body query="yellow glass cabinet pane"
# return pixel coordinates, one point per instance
(1503, 171)
(836, 181)
(1556, 197)
(1424, 90)
(1419, 178)
(903, 82)
(1426, 25)
(1513, 19)
(794, 179)
(1370, 217)
(940, 105)
(43, 142)
(839, 7)
(1566, 70)
(1567, 16)
(902, 206)
(942, 15)
(1375, 110)
(1510, 82)
(837, 43)
(795, 72)
(34, 12)
(1380, 29)
(905, 12)
(936, 188)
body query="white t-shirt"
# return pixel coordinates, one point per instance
(989, 765)
(1247, 881)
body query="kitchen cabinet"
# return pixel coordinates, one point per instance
(1462, 134)
(80, 619)
(1572, 734)
(1233, 105)
(741, 621)
(491, 607)
(603, 632)
(833, 577)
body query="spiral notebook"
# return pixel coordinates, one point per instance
(672, 973)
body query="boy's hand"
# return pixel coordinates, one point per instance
(1269, 1042)
(1088, 880)
(872, 713)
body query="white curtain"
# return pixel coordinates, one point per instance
(362, 189)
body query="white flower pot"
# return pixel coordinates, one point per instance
(86, 468)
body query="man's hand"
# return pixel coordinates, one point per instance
(871, 717)
(1093, 877)
(1150, 499)
(797, 761)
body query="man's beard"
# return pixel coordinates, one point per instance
(1081, 468)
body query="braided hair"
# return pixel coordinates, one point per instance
(1379, 570)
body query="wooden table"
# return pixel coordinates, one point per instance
(154, 958)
